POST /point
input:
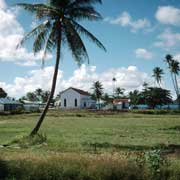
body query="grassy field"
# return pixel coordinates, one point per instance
(85, 133)
(78, 131)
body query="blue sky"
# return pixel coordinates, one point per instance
(137, 36)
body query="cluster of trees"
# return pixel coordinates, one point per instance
(174, 69)
(152, 96)
(37, 95)
(98, 93)
(3, 94)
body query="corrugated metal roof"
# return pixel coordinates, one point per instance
(8, 101)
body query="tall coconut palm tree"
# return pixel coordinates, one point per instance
(97, 91)
(168, 60)
(58, 26)
(157, 74)
(174, 68)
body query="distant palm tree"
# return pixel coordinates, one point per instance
(59, 26)
(119, 92)
(174, 68)
(38, 91)
(168, 60)
(98, 91)
(157, 74)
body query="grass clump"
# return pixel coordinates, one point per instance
(27, 141)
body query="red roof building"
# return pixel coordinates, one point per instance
(120, 101)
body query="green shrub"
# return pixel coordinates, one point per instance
(155, 162)
(155, 111)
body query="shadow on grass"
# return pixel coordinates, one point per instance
(174, 128)
(3, 169)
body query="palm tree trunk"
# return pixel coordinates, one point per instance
(43, 114)
(173, 81)
(177, 89)
(99, 104)
(159, 84)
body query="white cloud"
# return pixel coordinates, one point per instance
(11, 32)
(177, 57)
(129, 78)
(2, 4)
(167, 39)
(35, 79)
(126, 20)
(143, 53)
(168, 15)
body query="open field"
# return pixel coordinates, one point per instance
(88, 135)
(77, 131)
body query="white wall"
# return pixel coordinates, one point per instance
(1, 107)
(88, 101)
(70, 96)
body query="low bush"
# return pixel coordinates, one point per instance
(155, 111)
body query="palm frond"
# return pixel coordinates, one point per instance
(41, 37)
(31, 34)
(50, 43)
(89, 35)
(78, 3)
(83, 13)
(40, 10)
(75, 43)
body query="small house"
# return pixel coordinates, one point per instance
(33, 105)
(73, 98)
(121, 103)
(9, 105)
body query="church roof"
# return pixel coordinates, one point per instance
(85, 93)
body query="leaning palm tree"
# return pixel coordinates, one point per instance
(157, 74)
(97, 91)
(169, 60)
(174, 68)
(58, 26)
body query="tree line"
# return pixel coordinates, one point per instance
(151, 96)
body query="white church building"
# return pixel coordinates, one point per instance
(73, 98)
